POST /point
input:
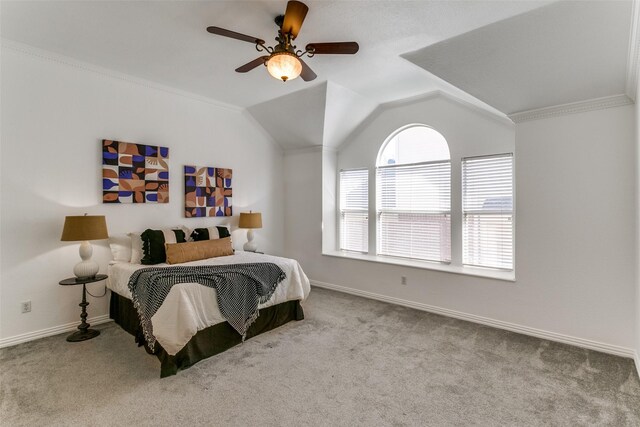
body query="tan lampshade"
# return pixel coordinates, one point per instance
(250, 220)
(80, 228)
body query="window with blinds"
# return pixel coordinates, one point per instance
(354, 210)
(487, 205)
(414, 210)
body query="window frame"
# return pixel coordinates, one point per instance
(456, 265)
(380, 211)
(377, 205)
(342, 211)
(511, 155)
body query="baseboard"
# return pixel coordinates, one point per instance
(525, 330)
(636, 359)
(55, 330)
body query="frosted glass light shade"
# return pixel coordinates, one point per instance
(284, 66)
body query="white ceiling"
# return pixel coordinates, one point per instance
(294, 120)
(562, 53)
(166, 42)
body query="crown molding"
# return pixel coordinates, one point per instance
(572, 108)
(57, 58)
(633, 61)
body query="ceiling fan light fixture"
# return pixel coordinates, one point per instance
(284, 66)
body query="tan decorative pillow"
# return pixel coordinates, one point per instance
(193, 251)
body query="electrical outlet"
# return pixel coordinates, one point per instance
(26, 306)
(403, 280)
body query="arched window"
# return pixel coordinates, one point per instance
(413, 195)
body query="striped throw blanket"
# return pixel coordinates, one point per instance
(240, 289)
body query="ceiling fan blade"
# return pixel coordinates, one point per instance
(251, 65)
(345, 48)
(232, 34)
(307, 73)
(293, 18)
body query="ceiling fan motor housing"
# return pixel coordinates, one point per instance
(283, 61)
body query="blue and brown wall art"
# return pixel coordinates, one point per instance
(207, 191)
(134, 173)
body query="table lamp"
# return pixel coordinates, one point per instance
(250, 220)
(82, 229)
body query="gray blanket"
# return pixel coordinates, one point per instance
(240, 289)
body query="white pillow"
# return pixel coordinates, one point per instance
(136, 248)
(120, 245)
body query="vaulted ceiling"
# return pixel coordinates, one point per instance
(407, 48)
(562, 53)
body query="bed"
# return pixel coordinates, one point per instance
(189, 327)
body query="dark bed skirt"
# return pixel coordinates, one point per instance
(207, 342)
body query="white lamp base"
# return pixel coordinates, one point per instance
(250, 246)
(87, 267)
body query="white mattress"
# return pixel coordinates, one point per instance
(191, 307)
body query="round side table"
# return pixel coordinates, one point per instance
(83, 333)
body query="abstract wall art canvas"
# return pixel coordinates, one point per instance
(134, 173)
(207, 191)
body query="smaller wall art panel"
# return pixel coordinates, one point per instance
(207, 191)
(134, 173)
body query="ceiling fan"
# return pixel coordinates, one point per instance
(283, 61)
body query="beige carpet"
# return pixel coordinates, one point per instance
(353, 361)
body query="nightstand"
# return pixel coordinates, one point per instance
(83, 333)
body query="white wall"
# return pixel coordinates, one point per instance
(303, 207)
(575, 233)
(54, 115)
(576, 222)
(637, 212)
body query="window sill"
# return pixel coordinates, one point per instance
(507, 276)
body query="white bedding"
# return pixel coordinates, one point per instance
(191, 307)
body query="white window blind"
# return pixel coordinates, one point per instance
(354, 210)
(414, 211)
(487, 204)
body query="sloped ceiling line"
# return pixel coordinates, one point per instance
(345, 110)
(561, 53)
(633, 63)
(95, 69)
(173, 48)
(284, 118)
(295, 120)
(503, 120)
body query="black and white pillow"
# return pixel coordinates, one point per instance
(153, 244)
(210, 233)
